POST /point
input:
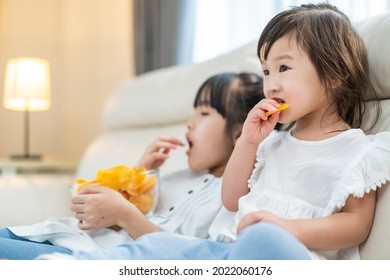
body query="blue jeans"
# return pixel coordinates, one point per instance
(13, 247)
(261, 241)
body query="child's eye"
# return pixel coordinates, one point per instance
(204, 113)
(283, 68)
(266, 72)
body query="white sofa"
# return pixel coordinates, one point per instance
(159, 103)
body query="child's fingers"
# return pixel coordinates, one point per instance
(247, 220)
(165, 145)
(263, 108)
(84, 225)
(242, 226)
(172, 140)
(78, 199)
(280, 108)
(271, 108)
(91, 189)
(160, 156)
(274, 118)
(77, 208)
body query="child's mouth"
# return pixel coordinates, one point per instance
(190, 144)
(280, 101)
(282, 107)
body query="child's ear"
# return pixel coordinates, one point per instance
(236, 133)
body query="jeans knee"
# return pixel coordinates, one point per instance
(263, 231)
(268, 241)
(5, 233)
(151, 237)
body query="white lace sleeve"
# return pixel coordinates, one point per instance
(255, 172)
(370, 173)
(261, 156)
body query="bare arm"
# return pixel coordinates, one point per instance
(134, 222)
(99, 207)
(256, 128)
(237, 172)
(348, 228)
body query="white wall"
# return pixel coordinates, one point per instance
(87, 43)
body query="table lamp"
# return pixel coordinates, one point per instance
(27, 88)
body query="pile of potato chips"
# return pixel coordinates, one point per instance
(136, 185)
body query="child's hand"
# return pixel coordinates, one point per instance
(98, 207)
(258, 125)
(265, 216)
(156, 154)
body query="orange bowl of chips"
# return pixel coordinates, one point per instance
(139, 186)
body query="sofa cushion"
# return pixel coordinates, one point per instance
(125, 146)
(178, 86)
(375, 33)
(30, 198)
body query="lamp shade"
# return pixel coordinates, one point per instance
(27, 85)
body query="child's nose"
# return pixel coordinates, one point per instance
(189, 124)
(272, 85)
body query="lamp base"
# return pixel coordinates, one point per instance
(26, 157)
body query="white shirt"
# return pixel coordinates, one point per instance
(188, 203)
(297, 179)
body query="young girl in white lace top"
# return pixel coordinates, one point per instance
(305, 193)
(317, 181)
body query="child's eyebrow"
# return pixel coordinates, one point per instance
(277, 58)
(284, 56)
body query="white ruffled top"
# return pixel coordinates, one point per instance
(298, 179)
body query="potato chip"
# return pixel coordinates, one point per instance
(136, 185)
(281, 108)
(143, 202)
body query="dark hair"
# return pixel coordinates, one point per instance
(233, 95)
(336, 50)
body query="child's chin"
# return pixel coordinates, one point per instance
(195, 168)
